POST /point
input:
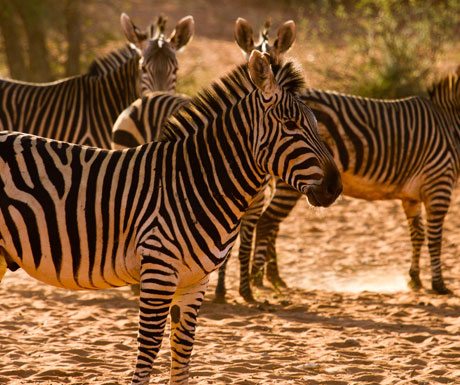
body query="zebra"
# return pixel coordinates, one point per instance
(80, 109)
(283, 42)
(406, 149)
(89, 104)
(165, 213)
(159, 63)
(143, 120)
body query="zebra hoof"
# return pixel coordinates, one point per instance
(258, 280)
(136, 288)
(441, 288)
(415, 284)
(219, 298)
(277, 281)
(247, 296)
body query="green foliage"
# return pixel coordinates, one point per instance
(391, 45)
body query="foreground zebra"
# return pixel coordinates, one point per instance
(244, 37)
(407, 149)
(166, 213)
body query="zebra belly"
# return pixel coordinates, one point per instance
(363, 188)
(123, 272)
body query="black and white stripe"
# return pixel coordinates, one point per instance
(166, 213)
(143, 120)
(404, 149)
(80, 109)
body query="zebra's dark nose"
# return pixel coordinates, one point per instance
(328, 191)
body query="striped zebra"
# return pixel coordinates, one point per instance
(80, 109)
(166, 213)
(89, 104)
(406, 149)
(159, 63)
(283, 42)
(143, 120)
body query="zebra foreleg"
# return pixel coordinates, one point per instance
(417, 237)
(248, 227)
(436, 211)
(273, 275)
(283, 202)
(184, 311)
(221, 290)
(158, 287)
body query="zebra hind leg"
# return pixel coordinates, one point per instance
(248, 226)
(158, 288)
(436, 211)
(417, 236)
(184, 312)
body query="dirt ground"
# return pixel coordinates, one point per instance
(347, 317)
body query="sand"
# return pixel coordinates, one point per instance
(346, 318)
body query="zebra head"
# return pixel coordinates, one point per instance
(159, 63)
(286, 142)
(285, 38)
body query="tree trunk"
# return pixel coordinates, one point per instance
(14, 49)
(31, 13)
(74, 36)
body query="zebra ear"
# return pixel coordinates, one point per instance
(285, 38)
(183, 33)
(132, 33)
(261, 72)
(244, 36)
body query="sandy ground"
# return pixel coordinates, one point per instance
(347, 317)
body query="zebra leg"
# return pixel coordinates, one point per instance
(221, 291)
(280, 207)
(417, 237)
(436, 210)
(135, 288)
(248, 226)
(184, 311)
(158, 286)
(273, 275)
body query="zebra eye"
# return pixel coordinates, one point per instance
(291, 125)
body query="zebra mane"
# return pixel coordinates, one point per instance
(446, 92)
(221, 95)
(112, 60)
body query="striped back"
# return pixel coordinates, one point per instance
(382, 141)
(143, 120)
(113, 60)
(80, 109)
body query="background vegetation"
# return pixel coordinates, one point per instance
(378, 48)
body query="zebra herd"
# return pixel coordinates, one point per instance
(157, 186)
